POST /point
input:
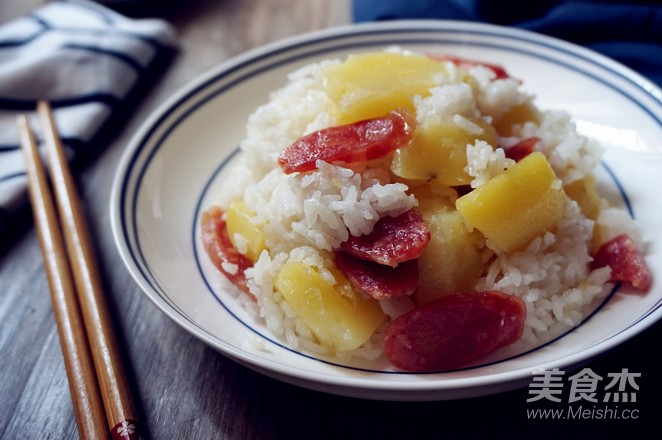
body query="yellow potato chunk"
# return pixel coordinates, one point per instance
(339, 318)
(372, 84)
(451, 262)
(518, 115)
(438, 151)
(240, 221)
(583, 192)
(516, 206)
(586, 195)
(433, 198)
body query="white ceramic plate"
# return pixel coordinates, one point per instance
(176, 162)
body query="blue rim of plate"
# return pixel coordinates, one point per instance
(277, 55)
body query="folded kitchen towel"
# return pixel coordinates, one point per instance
(91, 63)
(627, 31)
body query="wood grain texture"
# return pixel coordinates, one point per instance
(185, 389)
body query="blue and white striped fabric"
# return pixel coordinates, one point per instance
(89, 62)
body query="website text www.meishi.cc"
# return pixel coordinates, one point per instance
(583, 413)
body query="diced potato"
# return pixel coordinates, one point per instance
(240, 221)
(583, 192)
(586, 195)
(370, 85)
(432, 198)
(518, 205)
(438, 151)
(520, 114)
(451, 262)
(339, 318)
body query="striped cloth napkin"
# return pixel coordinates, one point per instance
(91, 63)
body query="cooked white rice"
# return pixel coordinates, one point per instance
(307, 215)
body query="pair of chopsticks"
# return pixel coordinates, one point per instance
(97, 381)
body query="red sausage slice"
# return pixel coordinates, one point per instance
(376, 280)
(220, 249)
(393, 240)
(499, 72)
(521, 149)
(357, 142)
(626, 262)
(454, 331)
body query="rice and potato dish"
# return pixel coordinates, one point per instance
(418, 207)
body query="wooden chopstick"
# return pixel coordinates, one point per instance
(85, 393)
(121, 415)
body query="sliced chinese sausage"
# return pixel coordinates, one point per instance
(376, 280)
(393, 240)
(499, 72)
(357, 142)
(626, 261)
(453, 331)
(220, 249)
(521, 149)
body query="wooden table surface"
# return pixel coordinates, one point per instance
(187, 390)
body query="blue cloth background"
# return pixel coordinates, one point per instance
(629, 32)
